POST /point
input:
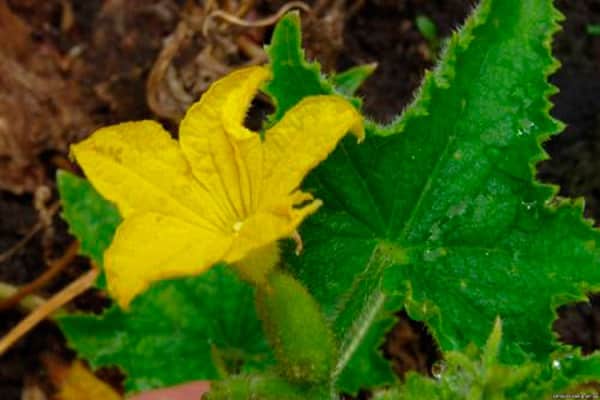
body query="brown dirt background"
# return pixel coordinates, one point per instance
(70, 66)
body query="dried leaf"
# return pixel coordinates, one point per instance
(81, 383)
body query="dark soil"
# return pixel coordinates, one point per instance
(383, 31)
(575, 157)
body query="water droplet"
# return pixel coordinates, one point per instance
(525, 127)
(556, 364)
(413, 158)
(528, 205)
(437, 369)
(527, 124)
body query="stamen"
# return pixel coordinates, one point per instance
(299, 245)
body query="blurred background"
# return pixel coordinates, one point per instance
(68, 67)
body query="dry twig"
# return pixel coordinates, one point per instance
(74, 289)
(53, 269)
(235, 20)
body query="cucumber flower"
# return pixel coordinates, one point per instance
(222, 193)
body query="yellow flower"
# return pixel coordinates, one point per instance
(221, 194)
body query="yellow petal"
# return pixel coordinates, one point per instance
(225, 157)
(303, 138)
(269, 225)
(80, 383)
(149, 247)
(138, 166)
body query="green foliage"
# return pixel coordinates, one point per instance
(293, 322)
(471, 375)
(180, 330)
(438, 213)
(478, 375)
(444, 204)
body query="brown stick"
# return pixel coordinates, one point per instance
(53, 270)
(74, 289)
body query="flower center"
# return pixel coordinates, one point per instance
(238, 226)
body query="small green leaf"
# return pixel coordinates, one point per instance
(349, 81)
(293, 77)
(179, 330)
(427, 28)
(593, 29)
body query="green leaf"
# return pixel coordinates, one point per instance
(444, 204)
(92, 220)
(349, 81)
(179, 330)
(481, 236)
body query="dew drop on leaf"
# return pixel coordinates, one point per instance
(556, 364)
(528, 205)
